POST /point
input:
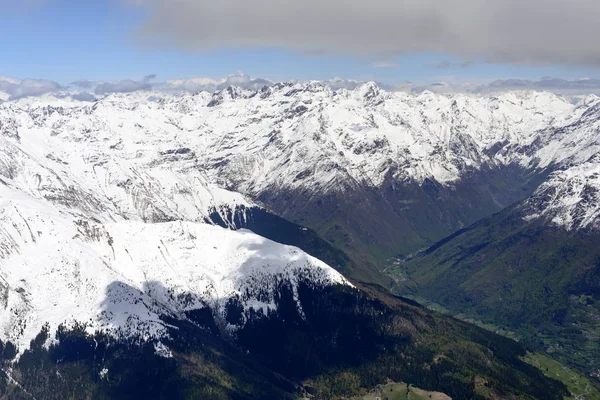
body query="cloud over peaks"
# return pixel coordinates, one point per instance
(212, 84)
(124, 86)
(83, 83)
(555, 85)
(83, 96)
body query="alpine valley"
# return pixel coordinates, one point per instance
(245, 243)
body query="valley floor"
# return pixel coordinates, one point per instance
(580, 386)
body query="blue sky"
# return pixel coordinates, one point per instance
(66, 40)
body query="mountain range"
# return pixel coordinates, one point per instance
(244, 239)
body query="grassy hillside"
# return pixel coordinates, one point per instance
(539, 281)
(579, 386)
(401, 391)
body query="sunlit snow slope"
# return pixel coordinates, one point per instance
(291, 137)
(116, 240)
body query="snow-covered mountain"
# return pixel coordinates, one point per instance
(106, 206)
(60, 267)
(569, 198)
(292, 129)
(116, 241)
(258, 139)
(306, 141)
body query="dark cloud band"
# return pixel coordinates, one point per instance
(508, 31)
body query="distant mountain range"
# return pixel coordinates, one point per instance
(376, 173)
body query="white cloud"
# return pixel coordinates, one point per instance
(555, 85)
(83, 83)
(17, 89)
(124, 86)
(212, 84)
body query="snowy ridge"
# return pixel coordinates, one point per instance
(59, 266)
(122, 276)
(145, 151)
(76, 173)
(569, 198)
(575, 139)
(307, 135)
